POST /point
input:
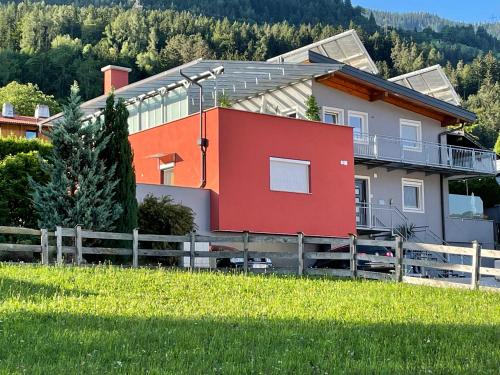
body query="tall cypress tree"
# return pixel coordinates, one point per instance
(82, 187)
(118, 152)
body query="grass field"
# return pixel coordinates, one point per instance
(111, 320)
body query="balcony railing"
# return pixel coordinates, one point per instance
(379, 217)
(398, 150)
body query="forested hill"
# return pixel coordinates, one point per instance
(422, 20)
(54, 45)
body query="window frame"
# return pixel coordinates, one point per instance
(413, 123)
(26, 131)
(286, 112)
(164, 167)
(419, 184)
(290, 161)
(338, 111)
(364, 126)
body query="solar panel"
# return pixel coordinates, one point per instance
(345, 47)
(431, 81)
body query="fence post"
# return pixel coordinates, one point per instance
(135, 248)
(44, 243)
(476, 265)
(59, 257)
(78, 243)
(353, 252)
(192, 247)
(245, 252)
(399, 259)
(300, 253)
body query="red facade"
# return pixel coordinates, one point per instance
(238, 170)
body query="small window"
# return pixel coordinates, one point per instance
(411, 135)
(290, 112)
(359, 123)
(289, 175)
(333, 115)
(413, 195)
(31, 134)
(167, 173)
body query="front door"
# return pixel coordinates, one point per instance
(360, 196)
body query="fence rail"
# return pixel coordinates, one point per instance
(78, 237)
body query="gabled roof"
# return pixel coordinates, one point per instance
(18, 120)
(431, 81)
(451, 110)
(345, 47)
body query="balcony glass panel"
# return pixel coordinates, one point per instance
(465, 206)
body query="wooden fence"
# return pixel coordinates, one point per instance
(399, 262)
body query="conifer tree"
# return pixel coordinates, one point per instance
(312, 111)
(81, 189)
(117, 151)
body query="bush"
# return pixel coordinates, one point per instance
(163, 216)
(15, 145)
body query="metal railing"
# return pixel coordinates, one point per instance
(379, 217)
(424, 153)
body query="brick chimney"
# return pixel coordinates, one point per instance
(115, 77)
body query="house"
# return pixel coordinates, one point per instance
(28, 127)
(378, 163)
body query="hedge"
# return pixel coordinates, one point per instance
(14, 145)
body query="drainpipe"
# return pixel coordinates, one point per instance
(441, 180)
(202, 141)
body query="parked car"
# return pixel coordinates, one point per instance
(262, 263)
(364, 265)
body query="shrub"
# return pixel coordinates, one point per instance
(15, 145)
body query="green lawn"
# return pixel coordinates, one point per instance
(111, 320)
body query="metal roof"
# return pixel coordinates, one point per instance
(345, 47)
(237, 79)
(430, 81)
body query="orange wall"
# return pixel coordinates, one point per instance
(241, 144)
(248, 140)
(179, 137)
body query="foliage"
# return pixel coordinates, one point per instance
(407, 231)
(15, 145)
(16, 190)
(118, 152)
(163, 216)
(497, 145)
(81, 189)
(25, 98)
(312, 111)
(100, 320)
(52, 45)
(224, 101)
(484, 187)
(486, 104)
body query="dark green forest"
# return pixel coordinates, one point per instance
(54, 44)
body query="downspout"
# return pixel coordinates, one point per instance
(441, 179)
(202, 141)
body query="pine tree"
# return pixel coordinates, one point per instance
(312, 112)
(118, 152)
(81, 189)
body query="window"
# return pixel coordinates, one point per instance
(413, 195)
(289, 175)
(31, 134)
(167, 173)
(333, 115)
(411, 134)
(290, 112)
(359, 123)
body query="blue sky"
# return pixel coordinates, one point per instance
(457, 10)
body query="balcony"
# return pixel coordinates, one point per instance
(395, 153)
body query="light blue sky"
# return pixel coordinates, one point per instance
(457, 10)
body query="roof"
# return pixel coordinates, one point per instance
(237, 79)
(431, 81)
(345, 47)
(241, 80)
(399, 90)
(18, 120)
